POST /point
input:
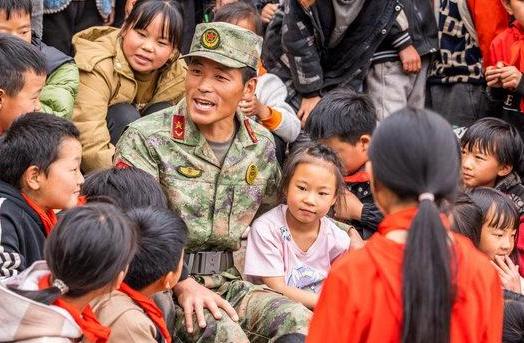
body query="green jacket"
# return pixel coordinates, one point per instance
(217, 202)
(60, 90)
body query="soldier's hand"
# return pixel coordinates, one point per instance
(193, 297)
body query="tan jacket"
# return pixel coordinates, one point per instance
(107, 79)
(128, 322)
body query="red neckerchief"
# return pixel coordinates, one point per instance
(92, 330)
(48, 217)
(358, 177)
(82, 200)
(152, 311)
(402, 220)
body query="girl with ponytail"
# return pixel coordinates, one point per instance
(86, 255)
(414, 281)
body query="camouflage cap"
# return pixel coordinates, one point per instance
(227, 44)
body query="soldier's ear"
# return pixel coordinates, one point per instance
(250, 87)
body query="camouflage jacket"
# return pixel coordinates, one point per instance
(217, 203)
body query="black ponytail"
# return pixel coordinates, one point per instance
(423, 159)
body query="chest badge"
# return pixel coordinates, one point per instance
(251, 174)
(189, 172)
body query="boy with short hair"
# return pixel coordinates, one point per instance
(130, 311)
(21, 79)
(40, 167)
(345, 120)
(59, 93)
(492, 153)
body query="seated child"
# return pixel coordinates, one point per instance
(123, 71)
(291, 247)
(497, 232)
(21, 79)
(504, 76)
(268, 105)
(345, 120)
(40, 167)
(59, 93)
(86, 256)
(492, 156)
(130, 311)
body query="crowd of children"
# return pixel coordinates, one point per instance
(261, 171)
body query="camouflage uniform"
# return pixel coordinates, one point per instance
(218, 202)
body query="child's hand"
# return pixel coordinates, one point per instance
(510, 77)
(410, 59)
(492, 75)
(349, 207)
(268, 12)
(250, 106)
(356, 241)
(306, 106)
(508, 272)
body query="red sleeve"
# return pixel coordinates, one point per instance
(490, 19)
(495, 312)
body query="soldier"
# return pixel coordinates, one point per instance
(218, 169)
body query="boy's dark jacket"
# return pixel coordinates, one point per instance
(371, 215)
(423, 28)
(21, 232)
(316, 65)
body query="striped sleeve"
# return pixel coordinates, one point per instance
(11, 262)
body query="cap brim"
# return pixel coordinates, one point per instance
(219, 58)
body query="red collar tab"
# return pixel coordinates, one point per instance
(119, 164)
(250, 131)
(178, 126)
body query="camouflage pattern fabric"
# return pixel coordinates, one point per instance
(265, 315)
(217, 202)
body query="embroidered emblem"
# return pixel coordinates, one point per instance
(210, 39)
(178, 127)
(121, 165)
(251, 174)
(250, 131)
(189, 172)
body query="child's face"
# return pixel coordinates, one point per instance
(481, 169)
(353, 156)
(27, 100)
(311, 191)
(147, 50)
(18, 24)
(516, 9)
(59, 189)
(496, 241)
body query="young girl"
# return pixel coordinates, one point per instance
(86, 256)
(291, 247)
(414, 280)
(126, 73)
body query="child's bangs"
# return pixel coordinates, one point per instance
(502, 216)
(484, 144)
(490, 141)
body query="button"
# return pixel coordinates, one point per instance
(384, 31)
(397, 8)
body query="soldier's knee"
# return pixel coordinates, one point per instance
(291, 338)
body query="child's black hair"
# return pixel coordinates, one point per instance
(342, 113)
(467, 218)
(313, 153)
(34, 139)
(10, 7)
(145, 11)
(236, 11)
(128, 188)
(161, 238)
(16, 58)
(87, 250)
(513, 330)
(415, 152)
(495, 137)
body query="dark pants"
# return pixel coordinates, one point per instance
(119, 116)
(60, 27)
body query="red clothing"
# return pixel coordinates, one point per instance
(361, 298)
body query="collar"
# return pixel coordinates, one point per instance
(402, 220)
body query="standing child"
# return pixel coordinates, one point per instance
(345, 120)
(86, 256)
(291, 247)
(504, 76)
(124, 73)
(414, 281)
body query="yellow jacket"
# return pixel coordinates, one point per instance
(107, 79)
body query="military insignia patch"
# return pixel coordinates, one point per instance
(251, 174)
(210, 39)
(178, 127)
(121, 165)
(250, 131)
(189, 172)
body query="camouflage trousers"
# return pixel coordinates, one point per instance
(265, 316)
